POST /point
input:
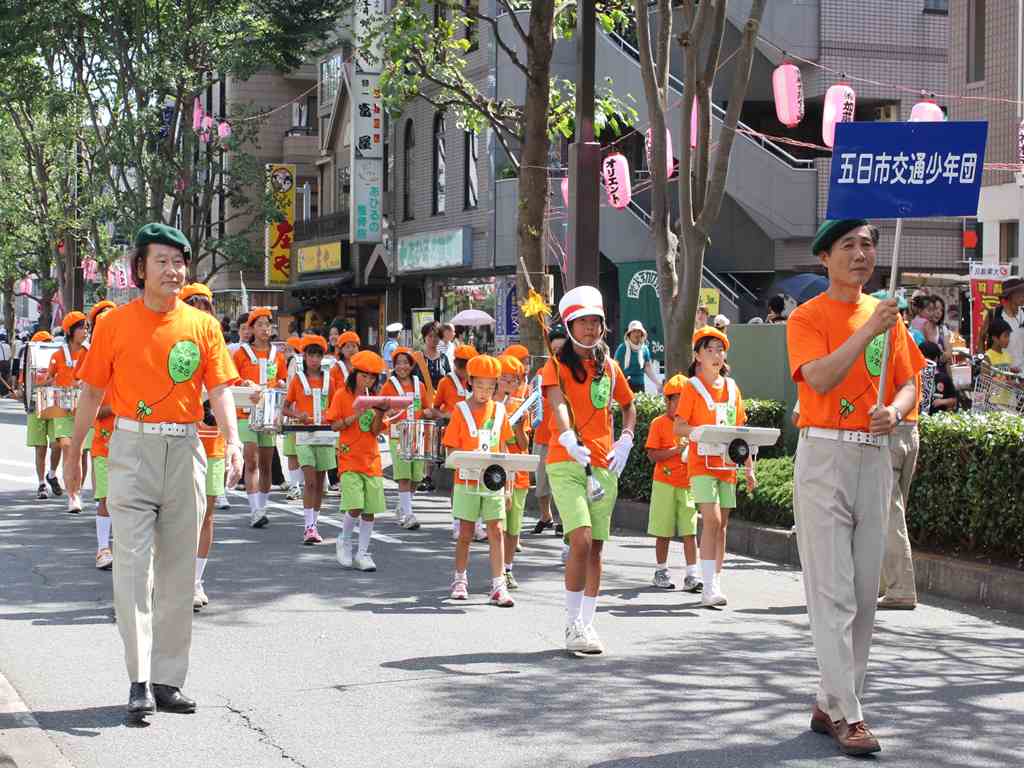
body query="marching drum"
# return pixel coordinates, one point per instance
(420, 441)
(267, 417)
(54, 402)
(243, 397)
(37, 362)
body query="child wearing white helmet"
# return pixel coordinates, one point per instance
(583, 464)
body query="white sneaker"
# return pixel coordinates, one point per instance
(364, 562)
(479, 533)
(222, 502)
(343, 553)
(74, 504)
(257, 518)
(197, 600)
(594, 644)
(399, 515)
(712, 598)
(294, 493)
(200, 592)
(333, 487)
(104, 559)
(410, 523)
(576, 638)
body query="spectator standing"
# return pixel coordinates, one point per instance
(388, 350)
(776, 309)
(634, 357)
(5, 361)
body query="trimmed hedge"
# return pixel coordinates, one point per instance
(967, 495)
(635, 482)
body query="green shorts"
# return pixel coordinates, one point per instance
(289, 444)
(404, 470)
(214, 477)
(63, 426)
(38, 432)
(707, 489)
(319, 457)
(362, 492)
(514, 512)
(469, 505)
(99, 477)
(247, 436)
(569, 490)
(672, 512)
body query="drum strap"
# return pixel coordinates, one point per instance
(67, 356)
(86, 344)
(248, 351)
(463, 392)
(303, 381)
(344, 369)
(730, 385)
(467, 415)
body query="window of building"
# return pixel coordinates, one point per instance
(440, 165)
(1008, 234)
(975, 41)
(407, 171)
(472, 26)
(330, 79)
(937, 6)
(470, 155)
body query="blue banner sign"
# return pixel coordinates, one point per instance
(906, 170)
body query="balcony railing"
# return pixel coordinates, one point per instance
(332, 225)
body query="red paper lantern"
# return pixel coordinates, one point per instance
(840, 104)
(617, 185)
(927, 111)
(788, 89)
(970, 239)
(669, 161)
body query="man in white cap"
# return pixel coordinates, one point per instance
(634, 357)
(391, 344)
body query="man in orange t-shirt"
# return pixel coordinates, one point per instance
(154, 356)
(843, 473)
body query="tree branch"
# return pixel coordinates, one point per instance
(509, 51)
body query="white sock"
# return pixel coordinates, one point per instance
(262, 498)
(254, 502)
(310, 515)
(692, 570)
(587, 610)
(405, 503)
(461, 575)
(365, 531)
(573, 604)
(496, 582)
(347, 527)
(662, 566)
(50, 474)
(708, 569)
(200, 567)
(103, 532)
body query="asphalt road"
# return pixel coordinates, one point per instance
(297, 662)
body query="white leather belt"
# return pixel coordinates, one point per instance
(846, 436)
(164, 428)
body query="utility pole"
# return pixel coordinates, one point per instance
(584, 160)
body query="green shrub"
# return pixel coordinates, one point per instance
(966, 495)
(635, 482)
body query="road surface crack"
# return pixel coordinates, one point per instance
(41, 575)
(264, 737)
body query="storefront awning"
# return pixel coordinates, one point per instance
(321, 288)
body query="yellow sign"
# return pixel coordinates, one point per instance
(279, 234)
(709, 298)
(319, 258)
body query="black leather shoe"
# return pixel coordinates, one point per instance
(140, 701)
(169, 698)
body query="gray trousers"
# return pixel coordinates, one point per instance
(898, 564)
(841, 505)
(157, 500)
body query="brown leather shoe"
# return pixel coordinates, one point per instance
(822, 723)
(856, 739)
(896, 604)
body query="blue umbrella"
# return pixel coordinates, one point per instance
(804, 287)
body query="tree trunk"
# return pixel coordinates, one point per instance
(533, 175)
(7, 287)
(46, 313)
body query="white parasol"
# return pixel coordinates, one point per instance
(472, 317)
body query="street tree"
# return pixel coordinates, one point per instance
(425, 57)
(680, 245)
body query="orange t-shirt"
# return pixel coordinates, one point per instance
(447, 395)
(303, 402)
(156, 363)
(593, 421)
(277, 370)
(673, 471)
(818, 328)
(357, 445)
(62, 374)
(694, 411)
(522, 479)
(390, 390)
(102, 429)
(457, 435)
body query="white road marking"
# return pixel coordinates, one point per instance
(322, 521)
(19, 479)
(14, 463)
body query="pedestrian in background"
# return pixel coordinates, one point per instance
(776, 309)
(634, 357)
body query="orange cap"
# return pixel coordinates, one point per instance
(313, 341)
(402, 351)
(42, 336)
(295, 343)
(99, 308)
(517, 351)
(709, 332)
(675, 385)
(72, 319)
(258, 312)
(484, 367)
(510, 365)
(368, 362)
(349, 337)
(465, 352)
(195, 289)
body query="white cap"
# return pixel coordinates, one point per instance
(581, 301)
(636, 325)
(721, 321)
(394, 328)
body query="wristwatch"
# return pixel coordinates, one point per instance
(899, 414)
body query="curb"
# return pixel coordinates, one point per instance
(24, 743)
(990, 586)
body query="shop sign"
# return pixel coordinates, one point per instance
(279, 234)
(367, 116)
(367, 14)
(986, 294)
(638, 300)
(506, 317)
(324, 257)
(450, 248)
(367, 178)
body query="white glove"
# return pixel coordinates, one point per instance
(620, 453)
(574, 448)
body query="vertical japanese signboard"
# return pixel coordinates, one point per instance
(279, 234)
(986, 291)
(365, 15)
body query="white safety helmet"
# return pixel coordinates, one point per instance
(581, 301)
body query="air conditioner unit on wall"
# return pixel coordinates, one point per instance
(889, 113)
